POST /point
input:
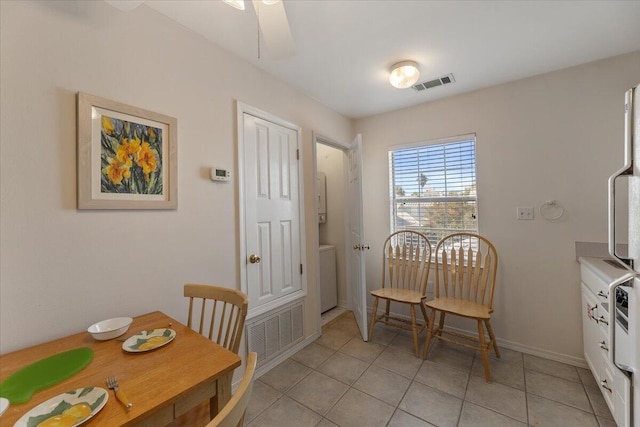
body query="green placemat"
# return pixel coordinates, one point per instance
(20, 386)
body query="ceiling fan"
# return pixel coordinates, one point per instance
(272, 21)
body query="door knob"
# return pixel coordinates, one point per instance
(254, 259)
(356, 247)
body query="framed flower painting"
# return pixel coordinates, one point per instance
(127, 156)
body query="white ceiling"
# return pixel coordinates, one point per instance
(344, 48)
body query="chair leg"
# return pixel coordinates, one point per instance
(484, 348)
(493, 337)
(374, 312)
(428, 338)
(440, 324)
(387, 309)
(412, 309)
(424, 314)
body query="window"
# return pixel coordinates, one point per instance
(433, 187)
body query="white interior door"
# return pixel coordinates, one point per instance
(357, 283)
(272, 236)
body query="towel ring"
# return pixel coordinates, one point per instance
(549, 205)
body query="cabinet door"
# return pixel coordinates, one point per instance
(613, 385)
(591, 330)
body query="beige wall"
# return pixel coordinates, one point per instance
(62, 269)
(331, 161)
(554, 136)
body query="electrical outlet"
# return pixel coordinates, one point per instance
(525, 213)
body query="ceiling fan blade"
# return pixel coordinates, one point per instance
(125, 5)
(274, 25)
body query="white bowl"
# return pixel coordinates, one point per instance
(110, 328)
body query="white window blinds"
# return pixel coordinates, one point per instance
(433, 188)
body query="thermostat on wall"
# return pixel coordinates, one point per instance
(219, 174)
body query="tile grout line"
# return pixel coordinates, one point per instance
(526, 394)
(412, 380)
(584, 388)
(350, 386)
(269, 406)
(396, 407)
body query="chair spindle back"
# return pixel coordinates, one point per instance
(406, 259)
(466, 268)
(227, 314)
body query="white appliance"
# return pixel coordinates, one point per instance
(328, 283)
(598, 276)
(321, 191)
(624, 312)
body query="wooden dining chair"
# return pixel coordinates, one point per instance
(406, 259)
(466, 266)
(232, 415)
(219, 313)
(225, 318)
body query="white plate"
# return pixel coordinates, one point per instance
(4, 404)
(148, 340)
(95, 397)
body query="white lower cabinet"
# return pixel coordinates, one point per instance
(595, 332)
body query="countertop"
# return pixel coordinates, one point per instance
(603, 269)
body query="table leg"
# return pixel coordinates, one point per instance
(223, 394)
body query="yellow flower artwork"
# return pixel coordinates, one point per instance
(131, 157)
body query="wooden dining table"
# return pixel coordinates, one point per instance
(162, 384)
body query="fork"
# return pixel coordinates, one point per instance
(112, 383)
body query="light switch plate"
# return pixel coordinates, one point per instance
(525, 213)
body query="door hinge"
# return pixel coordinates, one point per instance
(300, 268)
(297, 153)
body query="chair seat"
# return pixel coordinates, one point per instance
(406, 259)
(401, 295)
(461, 307)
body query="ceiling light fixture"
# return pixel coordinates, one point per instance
(404, 74)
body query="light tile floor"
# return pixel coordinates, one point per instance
(339, 380)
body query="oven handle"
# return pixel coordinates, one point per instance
(626, 170)
(612, 319)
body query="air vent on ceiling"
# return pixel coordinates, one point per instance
(433, 83)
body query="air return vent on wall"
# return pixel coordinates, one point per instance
(433, 83)
(273, 333)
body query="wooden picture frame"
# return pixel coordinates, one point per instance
(127, 156)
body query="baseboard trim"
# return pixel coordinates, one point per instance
(511, 345)
(285, 355)
(534, 351)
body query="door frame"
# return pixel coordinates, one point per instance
(242, 109)
(318, 138)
